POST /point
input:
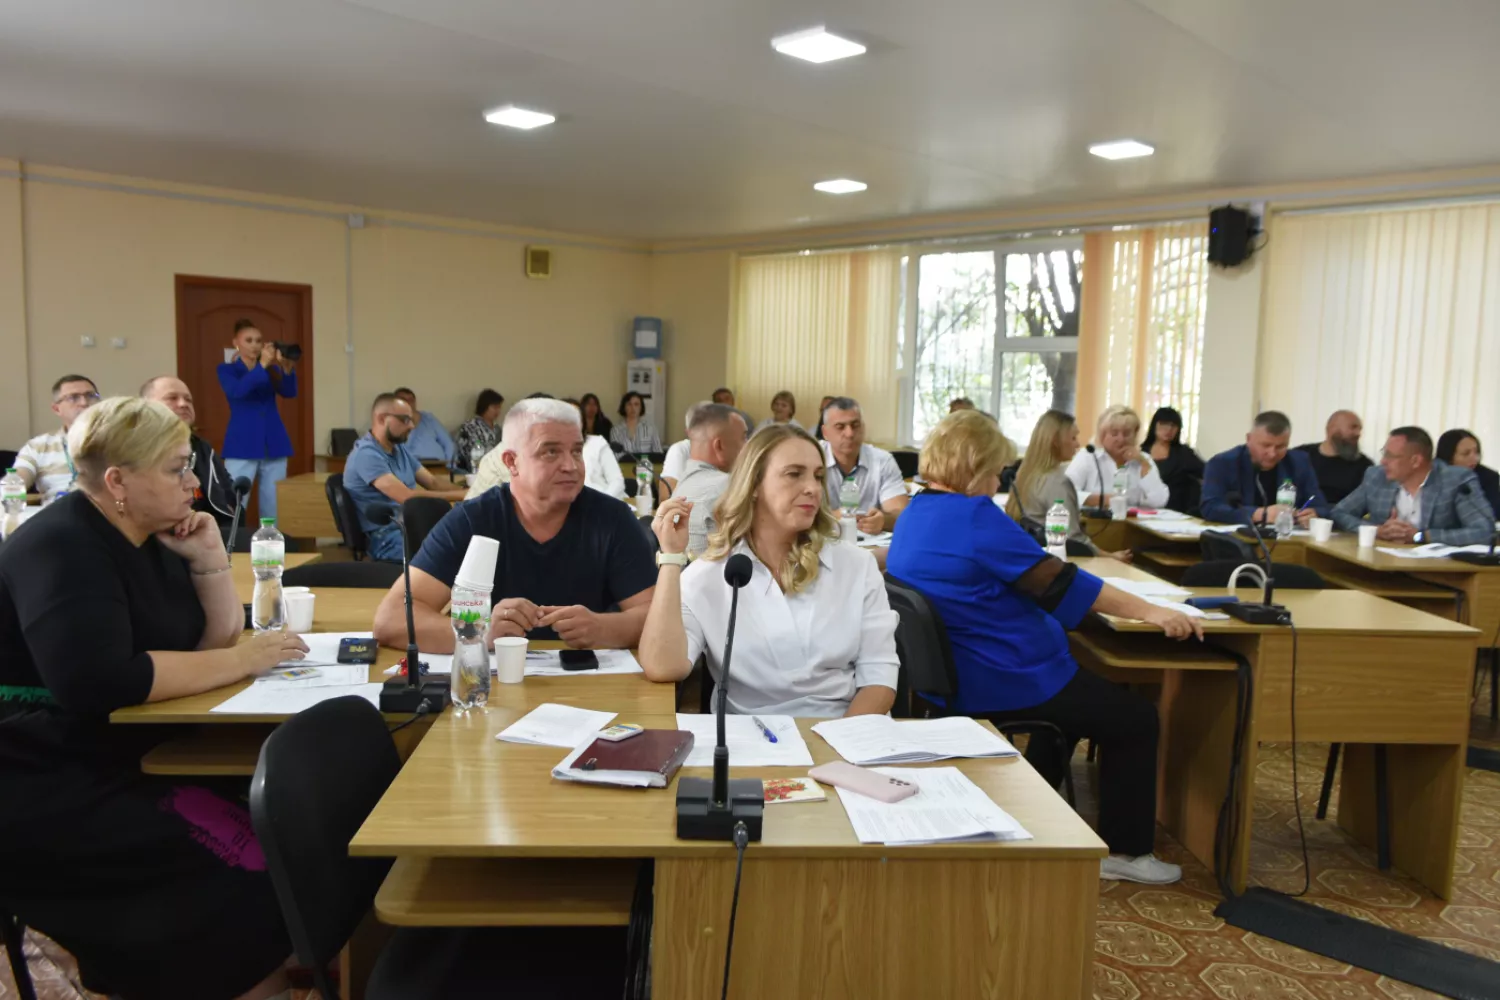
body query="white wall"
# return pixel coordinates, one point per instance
(1231, 334)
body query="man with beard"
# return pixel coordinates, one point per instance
(1337, 460)
(381, 471)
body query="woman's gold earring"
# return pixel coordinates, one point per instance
(120, 507)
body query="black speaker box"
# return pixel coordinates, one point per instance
(1229, 231)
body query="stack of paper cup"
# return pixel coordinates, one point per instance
(848, 529)
(1322, 529)
(510, 659)
(1367, 534)
(299, 609)
(478, 569)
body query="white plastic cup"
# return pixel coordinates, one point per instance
(1367, 535)
(849, 529)
(510, 659)
(1321, 528)
(299, 612)
(1119, 507)
(289, 591)
(478, 569)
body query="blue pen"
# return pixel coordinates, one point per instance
(763, 730)
(1306, 504)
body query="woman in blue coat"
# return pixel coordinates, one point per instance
(256, 445)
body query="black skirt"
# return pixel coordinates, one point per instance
(159, 889)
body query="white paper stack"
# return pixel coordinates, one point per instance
(1147, 588)
(748, 746)
(949, 807)
(544, 663)
(1432, 550)
(879, 541)
(879, 739)
(553, 725)
(565, 771)
(290, 697)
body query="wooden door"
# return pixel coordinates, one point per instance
(207, 309)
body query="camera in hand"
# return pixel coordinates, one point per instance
(292, 352)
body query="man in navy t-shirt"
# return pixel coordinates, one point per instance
(574, 564)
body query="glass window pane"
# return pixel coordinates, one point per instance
(1031, 383)
(1041, 293)
(955, 349)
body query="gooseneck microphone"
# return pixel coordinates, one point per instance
(407, 694)
(241, 489)
(710, 810)
(1267, 612)
(1101, 509)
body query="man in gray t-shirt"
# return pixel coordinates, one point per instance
(716, 433)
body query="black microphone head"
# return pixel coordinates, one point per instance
(737, 570)
(241, 487)
(1089, 448)
(383, 514)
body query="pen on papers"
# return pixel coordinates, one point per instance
(763, 730)
(1306, 503)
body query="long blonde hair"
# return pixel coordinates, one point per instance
(1041, 457)
(735, 512)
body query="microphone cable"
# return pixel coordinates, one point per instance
(741, 841)
(1296, 797)
(422, 710)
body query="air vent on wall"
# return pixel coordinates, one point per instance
(538, 262)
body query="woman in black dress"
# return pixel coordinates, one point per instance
(1461, 448)
(115, 595)
(594, 420)
(1178, 464)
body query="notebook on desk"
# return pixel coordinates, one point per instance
(647, 760)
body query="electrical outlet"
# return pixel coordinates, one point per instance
(118, 343)
(86, 341)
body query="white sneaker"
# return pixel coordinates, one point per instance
(1146, 869)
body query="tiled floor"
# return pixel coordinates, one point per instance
(1166, 943)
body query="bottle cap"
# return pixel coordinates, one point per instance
(478, 569)
(267, 522)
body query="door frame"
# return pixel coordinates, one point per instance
(182, 282)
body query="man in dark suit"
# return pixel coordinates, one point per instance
(1255, 471)
(1416, 499)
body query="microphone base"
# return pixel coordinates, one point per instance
(1477, 558)
(397, 697)
(1259, 614)
(698, 818)
(1264, 531)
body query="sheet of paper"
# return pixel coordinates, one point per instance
(335, 675)
(948, 807)
(544, 663)
(748, 747)
(565, 771)
(1161, 515)
(1179, 529)
(323, 648)
(1147, 588)
(553, 725)
(880, 541)
(290, 698)
(875, 739)
(1432, 550)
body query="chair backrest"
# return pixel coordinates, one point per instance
(341, 441)
(1287, 576)
(374, 575)
(1217, 545)
(345, 518)
(921, 642)
(320, 774)
(907, 462)
(8, 459)
(421, 515)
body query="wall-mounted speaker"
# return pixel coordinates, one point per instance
(1229, 233)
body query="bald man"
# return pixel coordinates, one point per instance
(215, 494)
(1336, 460)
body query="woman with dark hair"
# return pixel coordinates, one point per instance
(256, 445)
(594, 420)
(1177, 463)
(1461, 448)
(481, 432)
(635, 434)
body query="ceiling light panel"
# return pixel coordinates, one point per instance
(1121, 149)
(522, 118)
(816, 45)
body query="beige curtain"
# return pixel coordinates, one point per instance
(816, 325)
(1141, 321)
(1393, 314)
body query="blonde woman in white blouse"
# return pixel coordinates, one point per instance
(815, 636)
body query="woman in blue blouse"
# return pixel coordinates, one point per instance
(256, 445)
(1007, 606)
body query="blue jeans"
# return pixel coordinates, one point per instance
(270, 471)
(385, 543)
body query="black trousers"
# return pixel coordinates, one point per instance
(1125, 727)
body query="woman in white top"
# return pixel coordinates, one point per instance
(1093, 473)
(816, 636)
(783, 412)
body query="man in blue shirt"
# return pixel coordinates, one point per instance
(429, 441)
(1255, 471)
(574, 564)
(381, 471)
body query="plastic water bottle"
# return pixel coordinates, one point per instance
(267, 559)
(643, 493)
(849, 511)
(476, 455)
(12, 500)
(1286, 499)
(1057, 530)
(470, 679)
(1122, 482)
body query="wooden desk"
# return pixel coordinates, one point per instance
(302, 509)
(1369, 671)
(820, 914)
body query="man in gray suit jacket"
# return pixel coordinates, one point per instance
(1415, 499)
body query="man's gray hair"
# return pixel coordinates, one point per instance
(704, 419)
(839, 403)
(528, 413)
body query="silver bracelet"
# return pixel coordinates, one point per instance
(210, 572)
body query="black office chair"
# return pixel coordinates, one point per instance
(1288, 576)
(345, 517)
(319, 775)
(421, 515)
(370, 574)
(8, 459)
(927, 668)
(1220, 545)
(907, 462)
(341, 441)
(13, 934)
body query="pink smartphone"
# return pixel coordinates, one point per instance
(879, 787)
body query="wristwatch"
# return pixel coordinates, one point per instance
(671, 559)
(1419, 537)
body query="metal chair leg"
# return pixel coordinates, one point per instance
(1328, 772)
(14, 934)
(1382, 811)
